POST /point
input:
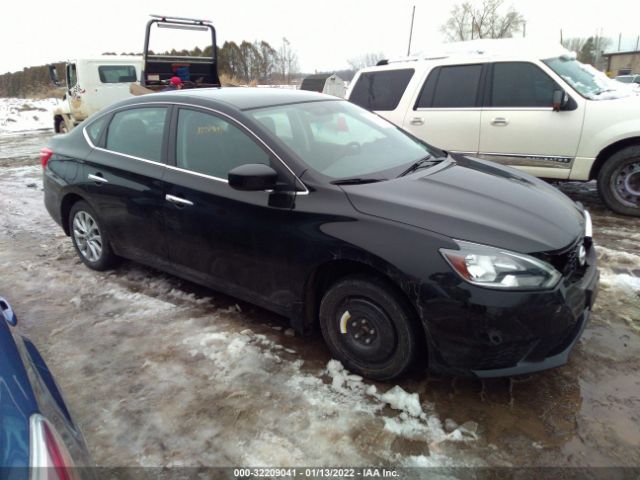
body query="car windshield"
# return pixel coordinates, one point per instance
(586, 80)
(341, 140)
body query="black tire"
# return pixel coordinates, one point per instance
(619, 181)
(81, 227)
(62, 126)
(374, 313)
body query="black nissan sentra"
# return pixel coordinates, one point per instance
(314, 208)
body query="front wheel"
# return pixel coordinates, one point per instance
(619, 181)
(368, 327)
(89, 237)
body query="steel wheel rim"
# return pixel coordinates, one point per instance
(626, 184)
(87, 236)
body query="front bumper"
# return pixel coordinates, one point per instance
(487, 333)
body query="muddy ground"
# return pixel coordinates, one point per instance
(161, 372)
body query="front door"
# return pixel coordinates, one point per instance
(519, 127)
(215, 234)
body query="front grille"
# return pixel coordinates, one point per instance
(566, 261)
(502, 356)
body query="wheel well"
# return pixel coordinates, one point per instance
(56, 122)
(608, 151)
(67, 202)
(329, 273)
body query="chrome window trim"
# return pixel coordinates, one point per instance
(172, 167)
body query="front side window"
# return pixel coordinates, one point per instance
(117, 73)
(453, 86)
(210, 145)
(521, 84)
(341, 140)
(381, 91)
(138, 132)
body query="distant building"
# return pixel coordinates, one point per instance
(328, 83)
(622, 63)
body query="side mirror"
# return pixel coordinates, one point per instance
(53, 75)
(253, 177)
(560, 100)
(7, 312)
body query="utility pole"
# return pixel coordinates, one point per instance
(413, 13)
(561, 41)
(619, 40)
(524, 29)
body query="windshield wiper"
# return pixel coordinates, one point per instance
(356, 181)
(427, 161)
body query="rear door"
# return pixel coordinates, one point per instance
(520, 128)
(123, 180)
(446, 112)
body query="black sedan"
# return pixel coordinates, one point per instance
(331, 216)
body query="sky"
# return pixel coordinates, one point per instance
(325, 33)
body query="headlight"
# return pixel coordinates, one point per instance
(495, 268)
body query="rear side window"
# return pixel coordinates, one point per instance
(95, 129)
(117, 73)
(138, 132)
(451, 87)
(208, 144)
(381, 90)
(521, 84)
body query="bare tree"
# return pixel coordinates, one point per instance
(366, 60)
(482, 19)
(287, 61)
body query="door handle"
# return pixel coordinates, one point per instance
(98, 178)
(499, 121)
(182, 202)
(417, 121)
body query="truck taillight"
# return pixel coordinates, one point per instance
(50, 459)
(45, 155)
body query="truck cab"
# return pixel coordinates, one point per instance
(92, 84)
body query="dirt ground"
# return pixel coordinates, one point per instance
(161, 372)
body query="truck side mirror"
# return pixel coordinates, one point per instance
(560, 100)
(53, 75)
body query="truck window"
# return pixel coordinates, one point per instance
(381, 90)
(521, 84)
(72, 77)
(451, 87)
(138, 132)
(117, 73)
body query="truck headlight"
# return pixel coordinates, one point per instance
(497, 268)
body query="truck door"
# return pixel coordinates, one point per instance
(519, 126)
(446, 111)
(74, 92)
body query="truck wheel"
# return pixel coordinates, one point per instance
(61, 126)
(368, 327)
(619, 181)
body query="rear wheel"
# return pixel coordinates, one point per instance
(89, 237)
(619, 181)
(368, 327)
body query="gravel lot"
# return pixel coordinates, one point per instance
(161, 372)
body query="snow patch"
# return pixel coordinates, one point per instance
(23, 114)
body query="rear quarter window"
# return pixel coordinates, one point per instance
(381, 90)
(95, 129)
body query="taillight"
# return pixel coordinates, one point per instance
(45, 155)
(50, 459)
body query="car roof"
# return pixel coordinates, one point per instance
(246, 98)
(483, 50)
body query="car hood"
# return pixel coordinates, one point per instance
(477, 201)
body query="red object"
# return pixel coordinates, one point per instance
(45, 155)
(58, 463)
(175, 81)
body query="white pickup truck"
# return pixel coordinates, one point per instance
(92, 84)
(516, 102)
(95, 83)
